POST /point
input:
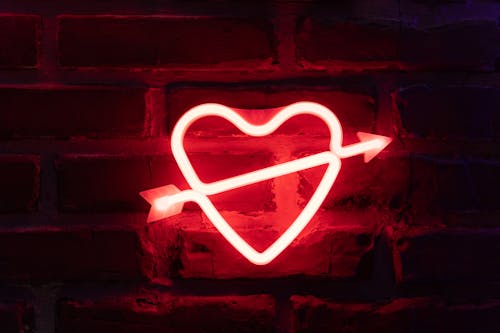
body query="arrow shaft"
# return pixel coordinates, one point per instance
(265, 173)
(268, 173)
(252, 177)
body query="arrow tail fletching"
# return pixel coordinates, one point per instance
(160, 206)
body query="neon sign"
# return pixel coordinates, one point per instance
(169, 200)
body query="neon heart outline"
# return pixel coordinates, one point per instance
(168, 200)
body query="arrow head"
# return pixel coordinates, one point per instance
(379, 143)
(158, 198)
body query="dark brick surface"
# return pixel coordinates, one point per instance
(440, 185)
(19, 40)
(165, 313)
(466, 45)
(16, 317)
(453, 185)
(449, 112)
(486, 180)
(322, 40)
(163, 41)
(103, 184)
(66, 112)
(447, 256)
(57, 255)
(312, 314)
(19, 183)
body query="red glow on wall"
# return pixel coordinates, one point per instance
(169, 200)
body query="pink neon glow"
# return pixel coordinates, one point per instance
(168, 200)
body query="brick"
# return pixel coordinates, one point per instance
(354, 106)
(144, 41)
(381, 183)
(16, 317)
(449, 112)
(485, 178)
(112, 184)
(54, 255)
(167, 313)
(467, 45)
(311, 314)
(19, 40)
(447, 256)
(440, 185)
(19, 183)
(67, 112)
(346, 44)
(332, 246)
(359, 45)
(87, 184)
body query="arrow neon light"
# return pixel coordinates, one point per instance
(169, 200)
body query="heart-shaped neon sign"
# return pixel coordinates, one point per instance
(168, 200)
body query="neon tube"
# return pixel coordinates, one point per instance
(168, 200)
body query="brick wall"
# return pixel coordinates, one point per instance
(90, 91)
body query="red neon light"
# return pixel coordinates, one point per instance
(168, 200)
